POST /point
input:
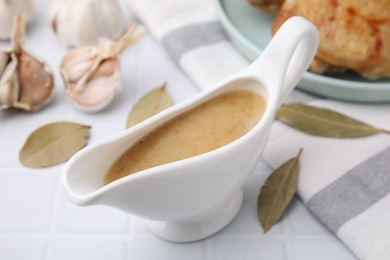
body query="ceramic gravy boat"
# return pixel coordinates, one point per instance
(193, 198)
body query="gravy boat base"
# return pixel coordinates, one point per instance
(212, 222)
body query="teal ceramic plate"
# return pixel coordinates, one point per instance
(250, 31)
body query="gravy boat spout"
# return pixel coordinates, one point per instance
(191, 199)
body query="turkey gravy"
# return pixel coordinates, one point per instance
(208, 126)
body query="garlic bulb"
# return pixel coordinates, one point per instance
(9, 8)
(25, 81)
(78, 23)
(92, 73)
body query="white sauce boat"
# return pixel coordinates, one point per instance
(191, 199)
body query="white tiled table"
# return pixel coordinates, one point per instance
(38, 222)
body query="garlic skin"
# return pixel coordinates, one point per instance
(9, 8)
(26, 82)
(92, 73)
(78, 23)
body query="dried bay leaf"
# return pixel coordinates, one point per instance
(53, 144)
(324, 122)
(152, 103)
(277, 192)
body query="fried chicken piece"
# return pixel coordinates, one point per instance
(355, 34)
(270, 6)
(319, 66)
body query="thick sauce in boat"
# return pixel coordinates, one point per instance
(210, 125)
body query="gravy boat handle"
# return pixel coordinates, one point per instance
(287, 56)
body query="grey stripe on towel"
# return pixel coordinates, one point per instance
(192, 36)
(354, 192)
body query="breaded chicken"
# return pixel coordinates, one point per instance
(355, 34)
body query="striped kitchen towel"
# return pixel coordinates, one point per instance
(344, 182)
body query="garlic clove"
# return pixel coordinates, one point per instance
(54, 11)
(81, 54)
(77, 63)
(9, 89)
(26, 82)
(9, 8)
(107, 68)
(36, 82)
(97, 95)
(75, 73)
(4, 57)
(96, 90)
(79, 23)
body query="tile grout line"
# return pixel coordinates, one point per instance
(286, 241)
(209, 246)
(2, 129)
(130, 239)
(52, 234)
(289, 246)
